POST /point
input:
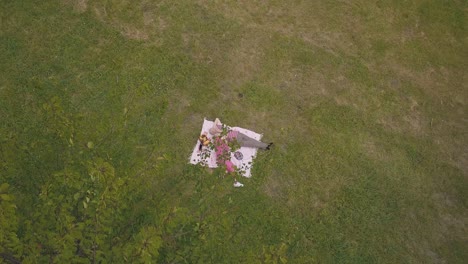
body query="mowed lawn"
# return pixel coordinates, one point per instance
(365, 100)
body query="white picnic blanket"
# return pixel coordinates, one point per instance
(248, 154)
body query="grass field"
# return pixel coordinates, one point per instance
(366, 102)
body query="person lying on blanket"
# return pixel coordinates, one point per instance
(242, 139)
(224, 140)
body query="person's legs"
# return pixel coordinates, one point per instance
(246, 141)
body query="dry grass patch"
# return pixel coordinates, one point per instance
(133, 33)
(374, 151)
(244, 61)
(406, 122)
(462, 162)
(273, 187)
(141, 23)
(283, 18)
(79, 6)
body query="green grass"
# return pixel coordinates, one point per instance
(366, 104)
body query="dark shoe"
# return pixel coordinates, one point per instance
(269, 146)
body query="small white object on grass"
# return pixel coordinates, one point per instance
(238, 184)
